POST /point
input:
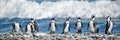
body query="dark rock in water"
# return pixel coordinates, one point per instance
(46, 36)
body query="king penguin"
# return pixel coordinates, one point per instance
(16, 27)
(78, 25)
(66, 26)
(109, 25)
(35, 26)
(92, 25)
(52, 26)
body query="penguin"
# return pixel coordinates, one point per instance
(35, 26)
(92, 25)
(78, 25)
(96, 28)
(16, 27)
(66, 26)
(52, 26)
(29, 28)
(109, 25)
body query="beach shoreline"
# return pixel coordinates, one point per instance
(47, 36)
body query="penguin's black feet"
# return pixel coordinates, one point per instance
(35, 31)
(108, 33)
(62, 33)
(52, 32)
(79, 31)
(65, 33)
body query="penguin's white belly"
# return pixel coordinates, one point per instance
(110, 28)
(66, 28)
(17, 28)
(28, 28)
(92, 29)
(79, 26)
(52, 26)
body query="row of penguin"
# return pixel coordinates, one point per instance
(32, 26)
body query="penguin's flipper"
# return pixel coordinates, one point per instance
(13, 27)
(94, 24)
(36, 26)
(26, 28)
(12, 30)
(64, 26)
(56, 26)
(88, 25)
(75, 25)
(21, 27)
(81, 24)
(69, 27)
(49, 26)
(97, 30)
(62, 33)
(13, 24)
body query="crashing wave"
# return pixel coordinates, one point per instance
(31, 9)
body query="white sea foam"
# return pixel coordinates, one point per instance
(30, 9)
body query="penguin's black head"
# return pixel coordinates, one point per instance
(67, 18)
(109, 17)
(32, 18)
(52, 19)
(79, 18)
(93, 16)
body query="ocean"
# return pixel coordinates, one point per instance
(6, 25)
